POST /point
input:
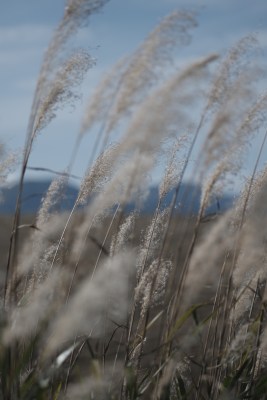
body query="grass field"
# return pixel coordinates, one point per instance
(101, 304)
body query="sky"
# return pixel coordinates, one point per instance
(26, 28)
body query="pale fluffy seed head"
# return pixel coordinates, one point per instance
(234, 123)
(150, 246)
(156, 276)
(244, 295)
(249, 122)
(214, 183)
(100, 103)
(31, 252)
(101, 383)
(97, 175)
(125, 184)
(60, 90)
(252, 255)
(254, 118)
(173, 168)
(236, 59)
(131, 78)
(223, 132)
(50, 199)
(147, 64)
(252, 260)
(78, 11)
(76, 14)
(105, 294)
(38, 249)
(243, 340)
(120, 239)
(24, 319)
(166, 107)
(8, 162)
(249, 193)
(207, 258)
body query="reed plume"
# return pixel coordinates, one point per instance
(85, 313)
(100, 302)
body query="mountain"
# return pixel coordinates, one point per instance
(188, 201)
(33, 192)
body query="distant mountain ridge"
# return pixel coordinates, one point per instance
(188, 201)
(33, 192)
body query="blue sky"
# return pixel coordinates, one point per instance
(27, 26)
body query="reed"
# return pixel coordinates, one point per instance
(100, 303)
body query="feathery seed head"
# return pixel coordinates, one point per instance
(60, 90)
(98, 175)
(85, 313)
(148, 62)
(51, 198)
